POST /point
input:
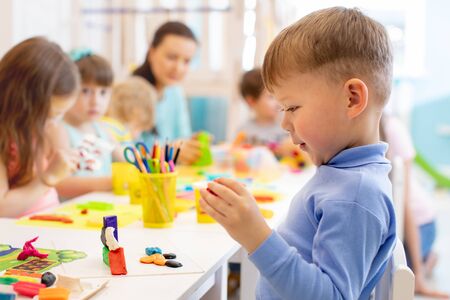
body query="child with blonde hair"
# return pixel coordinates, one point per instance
(331, 72)
(38, 83)
(131, 110)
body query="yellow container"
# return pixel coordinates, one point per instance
(202, 216)
(123, 175)
(158, 193)
(135, 192)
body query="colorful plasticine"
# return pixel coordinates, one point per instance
(152, 250)
(7, 296)
(111, 221)
(117, 262)
(54, 294)
(53, 218)
(48, 279)
(29, 250)
(27, 289)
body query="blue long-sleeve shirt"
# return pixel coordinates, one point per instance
(338, 235)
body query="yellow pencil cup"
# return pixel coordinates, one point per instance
(135, 192)
(202, 216)
(158, 193)
(123, 175)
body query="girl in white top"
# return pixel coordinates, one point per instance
(420, 222)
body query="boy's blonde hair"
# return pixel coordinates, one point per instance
(337, 42)
(133, 98)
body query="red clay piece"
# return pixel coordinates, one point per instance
(27, 289)
(117, 262)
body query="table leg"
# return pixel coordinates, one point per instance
(219, 290)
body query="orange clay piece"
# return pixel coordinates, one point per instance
(264, 198)
(160, 260)
(54, 294)
(53, 218)
(147, 259)
(22, 273)
(157, 259)
(240, 139)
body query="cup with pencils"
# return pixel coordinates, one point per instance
(157, 182)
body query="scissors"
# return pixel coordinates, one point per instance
(133, 156)
(143, 149)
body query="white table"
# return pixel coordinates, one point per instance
(208, 245)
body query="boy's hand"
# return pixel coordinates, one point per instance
(230, 204)
(61, 165)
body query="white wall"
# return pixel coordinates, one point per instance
(436, 80)
(6, 20)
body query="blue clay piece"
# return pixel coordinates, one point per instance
(152, 250)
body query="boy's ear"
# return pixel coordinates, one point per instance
(357, 96)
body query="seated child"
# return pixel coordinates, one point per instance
(331, 71)
(84, 131)
(38, 83)
(131, 110)
(419, 215)
(264, 128)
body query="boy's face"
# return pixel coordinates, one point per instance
(265, 107)
(315, 115)
(91, 104)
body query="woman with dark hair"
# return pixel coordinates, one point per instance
(166, 64)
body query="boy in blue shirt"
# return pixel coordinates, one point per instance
(331, 72)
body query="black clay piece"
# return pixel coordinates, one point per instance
(169, 255)
(48, 279)
(103, 237)
(173, 264)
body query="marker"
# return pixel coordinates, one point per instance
(176, 154)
